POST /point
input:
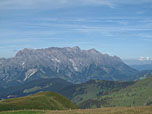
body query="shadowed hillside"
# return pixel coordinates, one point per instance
(92, 89)
(138, 94)
(33, 87)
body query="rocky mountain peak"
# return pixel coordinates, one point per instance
(93, 50)
(70, 63)
(76, 48)
(24, 51)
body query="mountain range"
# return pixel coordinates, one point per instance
(140, 64)
(72, 64)
(142, 67)
(88, 78)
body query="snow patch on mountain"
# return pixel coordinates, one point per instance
(74, 65)
(29, 73)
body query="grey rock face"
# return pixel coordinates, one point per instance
(72, 64)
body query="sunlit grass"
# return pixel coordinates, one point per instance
(22, 112)
(116, 110)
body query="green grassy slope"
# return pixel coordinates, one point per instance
(92, 89)
(138, 94)
(42, 100)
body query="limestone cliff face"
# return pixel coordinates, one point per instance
(73, 64)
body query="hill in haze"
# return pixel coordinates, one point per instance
(143, 74)
(140, 63)
(42, 100)
(142, 67)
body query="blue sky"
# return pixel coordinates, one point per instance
(116, 27)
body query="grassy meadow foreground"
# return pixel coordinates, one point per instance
(23, 112)
(116, 110)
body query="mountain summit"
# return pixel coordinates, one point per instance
(73, 64)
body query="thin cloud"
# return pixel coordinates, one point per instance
(51, 4)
